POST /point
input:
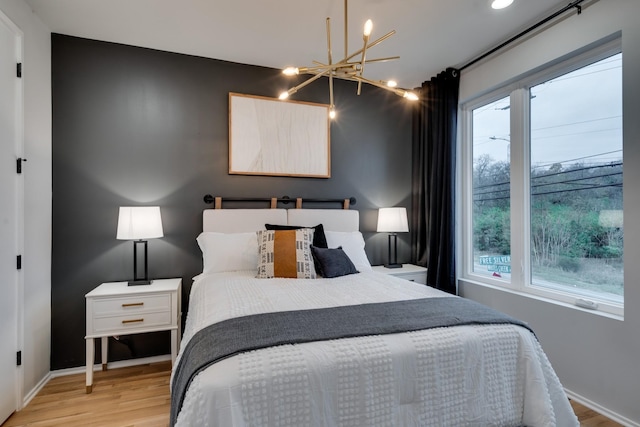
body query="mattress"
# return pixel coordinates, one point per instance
(492, 375)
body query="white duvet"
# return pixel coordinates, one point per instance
(494, 375)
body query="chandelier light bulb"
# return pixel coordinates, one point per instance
(392, 83)
(291, 71)
(368, 26)
(284, 95)
(332, 114)
(411, 96)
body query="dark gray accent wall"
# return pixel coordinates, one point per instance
(134, 126)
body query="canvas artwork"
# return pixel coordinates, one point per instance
(281, 138)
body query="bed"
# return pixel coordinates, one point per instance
(471, 374)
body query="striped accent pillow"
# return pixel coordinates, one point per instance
(285, 253)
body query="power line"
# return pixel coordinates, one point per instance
(577, 158)
(578, 123)
(553, 192)
(546, 184)
(595, 187)
(608, 165)
(553, 127)
(553, 174)
(575, 133)
(577, 179)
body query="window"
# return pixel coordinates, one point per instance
(491, 186)
(543, 168)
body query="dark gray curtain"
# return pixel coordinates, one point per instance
(434, 159)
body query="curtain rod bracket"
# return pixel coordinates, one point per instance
(579, 8)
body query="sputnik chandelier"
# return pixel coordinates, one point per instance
(347, 68)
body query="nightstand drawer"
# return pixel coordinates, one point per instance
(410, 272)
(132, 321)
(131, 304)
(413, 277)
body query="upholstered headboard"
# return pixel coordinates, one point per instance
(241, 220)
(331, 219)
(248, 220)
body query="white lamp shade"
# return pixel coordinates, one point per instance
(139, 222)
(392, 220)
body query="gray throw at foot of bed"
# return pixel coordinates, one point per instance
(230, 337)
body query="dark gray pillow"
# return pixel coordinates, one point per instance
(332, 262)
(319, 239)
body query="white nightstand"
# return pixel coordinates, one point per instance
(118, 309)
(413, 273)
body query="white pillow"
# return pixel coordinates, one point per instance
(352, 244)
(228, 252)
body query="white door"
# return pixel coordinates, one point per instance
(8, 219)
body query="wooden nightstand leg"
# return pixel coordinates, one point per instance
(90, 356)
(104, 343)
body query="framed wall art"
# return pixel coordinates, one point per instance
(268, 136)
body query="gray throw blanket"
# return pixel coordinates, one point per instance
(233, 336)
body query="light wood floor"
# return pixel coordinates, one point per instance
(136, 396)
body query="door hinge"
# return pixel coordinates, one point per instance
(19, 262)
(19, 358)
(19, 70)
(19, 161)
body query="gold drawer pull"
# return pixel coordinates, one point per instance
(124, 322)
(133, 304)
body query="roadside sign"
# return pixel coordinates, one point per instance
(497, 263)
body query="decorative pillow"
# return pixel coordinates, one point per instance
(319, 240)
(285, 253)
(332, 262)
(352, 244)
(228, 252)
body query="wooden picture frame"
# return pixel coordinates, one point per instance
(271, 137)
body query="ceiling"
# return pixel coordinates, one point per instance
(431, 34)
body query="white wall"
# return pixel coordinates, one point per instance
(37, 186)
(596, 358)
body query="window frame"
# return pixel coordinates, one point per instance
(518, 91)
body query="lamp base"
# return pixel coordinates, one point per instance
(139, 282)
(393, 265)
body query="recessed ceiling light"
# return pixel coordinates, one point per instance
(500, 4)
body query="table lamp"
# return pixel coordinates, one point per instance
(393, 221)
(139, 223)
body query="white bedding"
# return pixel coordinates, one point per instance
(493, 375)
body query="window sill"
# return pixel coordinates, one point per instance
(542, 298)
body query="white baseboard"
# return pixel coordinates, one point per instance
(34, 391)
(112, 365)
(601, 409)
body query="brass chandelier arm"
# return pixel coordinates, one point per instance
(331, 104)
(329, 39)
(342, 64)
(320, 67)
(370, 45)
(345, 61)
(368, 61)
(398, 91)
(346, 33)
(365, 37)
(306, 82)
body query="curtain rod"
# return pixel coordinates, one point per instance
(574, 4)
